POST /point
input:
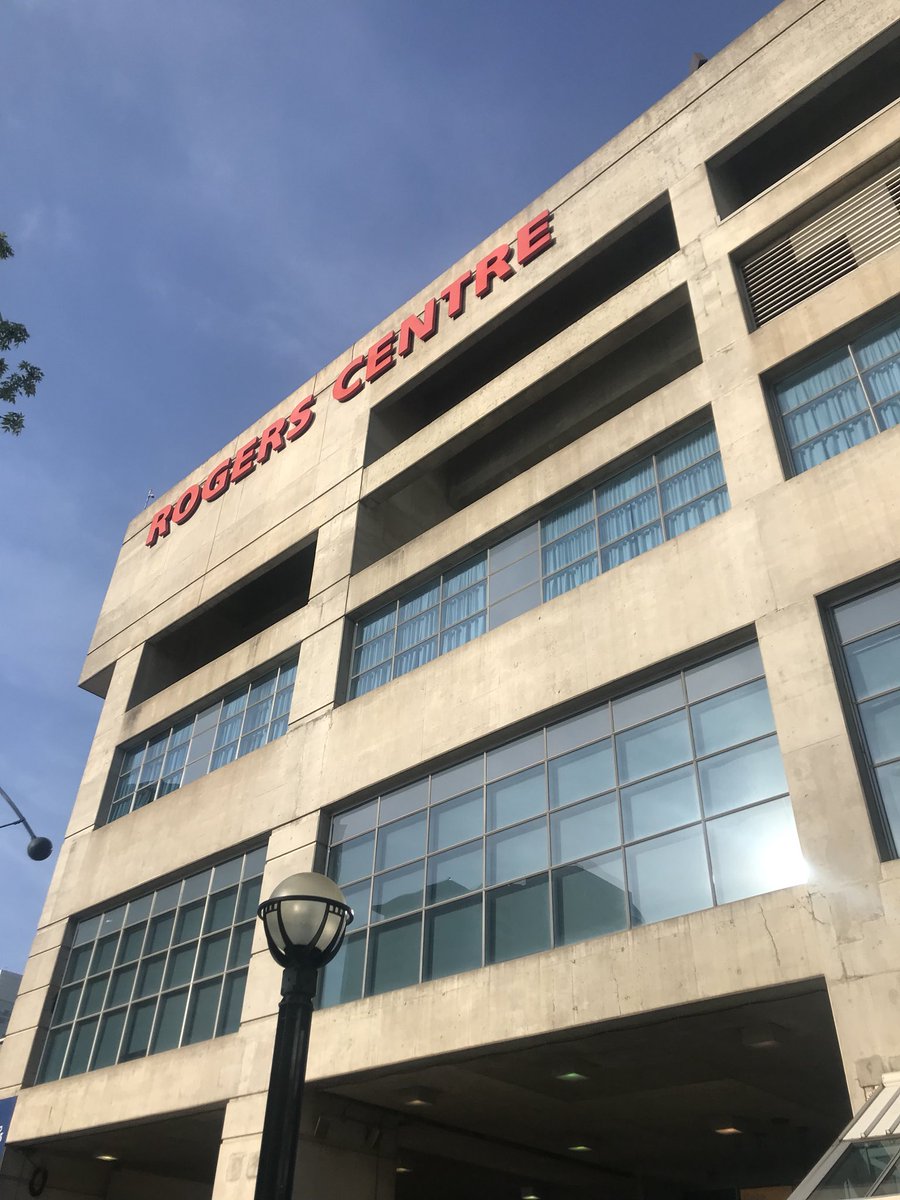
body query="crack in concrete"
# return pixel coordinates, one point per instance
(762, 913)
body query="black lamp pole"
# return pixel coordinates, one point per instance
(39, 848)
(305, 921)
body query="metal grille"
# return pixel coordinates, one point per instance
(843, 237)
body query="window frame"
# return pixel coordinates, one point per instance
(885, 843)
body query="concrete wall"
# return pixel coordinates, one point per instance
(760, 566)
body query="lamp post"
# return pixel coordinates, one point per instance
(39, 848)
(305, 921)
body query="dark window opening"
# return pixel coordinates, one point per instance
(251, 606)
(854, 91)
(632, 250)
(631, 363)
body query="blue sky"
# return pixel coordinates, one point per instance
(208, 201)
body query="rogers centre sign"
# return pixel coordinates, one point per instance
(532, 239)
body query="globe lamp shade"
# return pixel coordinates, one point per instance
(305, 919)
(39, 848)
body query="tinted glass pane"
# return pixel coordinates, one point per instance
(241, 945)
(874, 663)
(515, 852)
(137, 1033)
(454, 873)
(453, 938)
(881, 721)
(120, 988)
(586, 727)
(351, 860)
(512, 606)
(584, 828)
(461, 778)
(94, 991)
(354, 822)
(232, 1000)
(406, 800)
(226, 874)
(220, 910)
(516, 797)
(168, 1025)
(104, 954)
(582, 773)
(742, 776)
(394, 955)
(668, 876)
(107, 1047)
(856, 1171)
(733, 717)
(78, 963)
(400, 842)
(653, 747)
(398, 892)
(516, 547)
(66, 1005)
(648, 702)
(166, 898)
(724, 672)
(521, 753)
(201, 1018)
(456, 820)
(663, 802)
(189, 921)
(80, 1048)
(213, 951)
(512, 578)
(869, 613)
(248, 899)
(343, 976)
(518, 919)
(54, 1053)
(150, 975)
(181, 965)
(755, 851)
(889, 785)
(589, 899)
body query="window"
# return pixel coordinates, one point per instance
(869, 631)
(664, 495)
(243, 721)
(164, 970)
(843, 398)
(864, 1169)
(661, 802)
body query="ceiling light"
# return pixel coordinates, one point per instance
(760, 1037)
(106, 1158)
(419, 1097)
(571, 1077)
(401, 1170)
(528, 1193)
(727, 1129)
(581, 1149)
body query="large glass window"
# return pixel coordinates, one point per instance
(242, 721)
(658, 803)
(843, 398)
(664, 495)
(164, 970)
(869, 631)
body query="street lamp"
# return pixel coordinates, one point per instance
(39, 848)
(305, 921)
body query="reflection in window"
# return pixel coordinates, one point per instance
(864, 1169)
(843, 398)
(869, 631)
(162, 971)
(659, 803)
(664, 495)
(243, 721)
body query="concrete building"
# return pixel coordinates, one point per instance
(558, 619)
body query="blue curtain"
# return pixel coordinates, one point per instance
(372, 653)
(889, 414)
(884, 381)
(425, 597)
(376, 625)
(878, 345)
(416, 630)
(464, 576)
(571, 577)
(416, 657)
(625, 486)
(564, 520)
(370, 680)
(463, 604)
(698, 512)
(685, 453)
(576, 545)
(692, 483)
(629, 516)
(464, 632)
(835, 442)
(813, 381)
(830, 409)
(630, 547)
